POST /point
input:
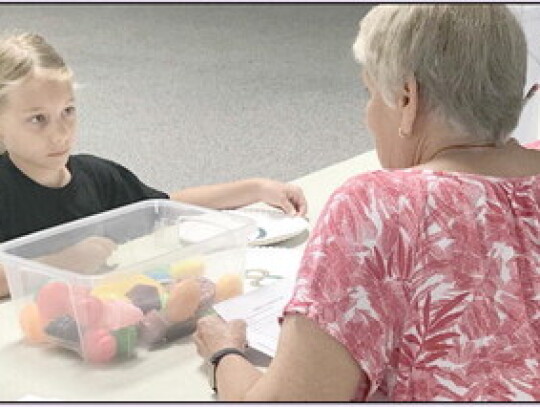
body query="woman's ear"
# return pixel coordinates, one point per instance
(408, 104)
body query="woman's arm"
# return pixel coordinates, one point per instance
(310, 365)
(287, 197)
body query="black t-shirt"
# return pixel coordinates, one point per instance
(96, 185)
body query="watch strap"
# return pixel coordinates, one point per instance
(216, 358)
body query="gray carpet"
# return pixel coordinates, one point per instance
(193, 94)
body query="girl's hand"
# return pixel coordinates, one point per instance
(287, 197)
(213, 334)
(86, 256)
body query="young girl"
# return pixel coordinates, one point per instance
(42, 185)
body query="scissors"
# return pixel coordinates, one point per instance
(258, 275)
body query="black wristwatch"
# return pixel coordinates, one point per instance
(214, 362)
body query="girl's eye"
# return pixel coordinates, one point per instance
(70, 110)
(38, 119)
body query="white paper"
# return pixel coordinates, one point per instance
(280, 262)
(262, 305)
(260, 309)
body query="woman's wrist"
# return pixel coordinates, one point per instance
(215, 360)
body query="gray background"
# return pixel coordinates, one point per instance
(193, 94)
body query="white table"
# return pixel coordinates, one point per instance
(174, 373)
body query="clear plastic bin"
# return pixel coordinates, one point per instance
(140, 275)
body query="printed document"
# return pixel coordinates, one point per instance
(260, 309)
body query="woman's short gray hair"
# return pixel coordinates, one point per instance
(470, 62)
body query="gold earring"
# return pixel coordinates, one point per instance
(402, 134)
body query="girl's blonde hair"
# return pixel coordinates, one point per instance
(470, 62)
(23, 54)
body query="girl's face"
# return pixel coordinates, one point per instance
(37, 124)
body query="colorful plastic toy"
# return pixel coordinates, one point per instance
(64, 328)
(126, 341)
(99, 345)
(228, 286)
(145, 296)
(152, 328)
(31, 324)
(192, 267)
(184, 300)
(88, 310)
(119, 314)
(53, 300)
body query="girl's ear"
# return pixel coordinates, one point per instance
(408, 104)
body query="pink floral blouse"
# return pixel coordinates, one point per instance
(431, 280)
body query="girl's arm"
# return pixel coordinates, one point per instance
(287, 197)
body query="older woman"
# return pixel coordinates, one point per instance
(420, 281)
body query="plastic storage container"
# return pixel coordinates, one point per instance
(139, 275)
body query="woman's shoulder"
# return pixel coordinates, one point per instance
(381, 191)
(392, 189)
(412, 180)
(385, 176)
(388, 183)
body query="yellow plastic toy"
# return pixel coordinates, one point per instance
(191, 267)
(31, 324)
(228, 286)
(116, 290)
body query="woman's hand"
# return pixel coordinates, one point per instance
(213, 334)
(287, 197)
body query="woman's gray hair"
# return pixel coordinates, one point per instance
(470, 62)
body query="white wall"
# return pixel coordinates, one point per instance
(528, 128)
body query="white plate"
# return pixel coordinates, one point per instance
(272, 226)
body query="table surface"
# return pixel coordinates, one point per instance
(173, 373)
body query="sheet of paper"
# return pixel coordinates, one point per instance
(260, 309)
(281, 263)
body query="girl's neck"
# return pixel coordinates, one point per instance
(51, 178)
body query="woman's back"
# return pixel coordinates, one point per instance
(448, 265)
(474, 304)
